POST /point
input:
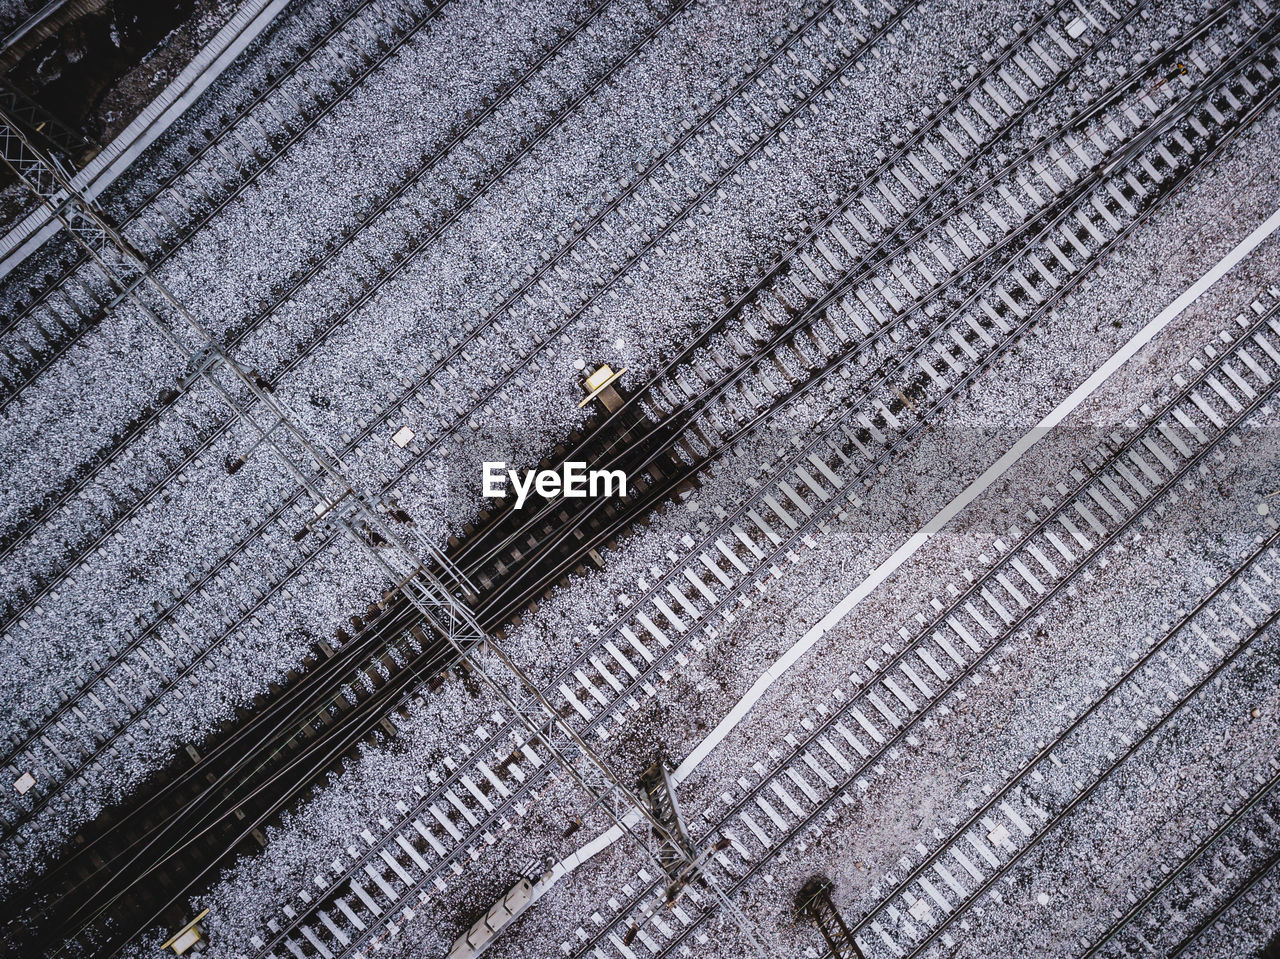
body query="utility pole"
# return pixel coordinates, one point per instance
(815, 902)
(675, 850)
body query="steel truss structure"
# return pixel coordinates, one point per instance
(429, 582)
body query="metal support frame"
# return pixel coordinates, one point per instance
(434, 589)
(35, 119)
(675, 851)
(815, 902)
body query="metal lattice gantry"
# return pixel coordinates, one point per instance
(673, 849)
(675, 854)
(34, 118)
(815, 902)
(44, 177)
(433, 586)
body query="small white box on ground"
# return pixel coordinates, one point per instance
(24, 783)
(404, 436)
(185, 941)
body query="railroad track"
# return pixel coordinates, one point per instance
(822, 765)
(288, 512)
(260, 524)
(184, 463)
(720, 410)
(519, 293)
(488, 335)
(123, 452)
(1257, 889)
(1194, 871)
(1218, 645)
(114, 736)
(667, 626)
(703, 587)
(336, 62)
(225, 796)
(699, 382)
(692, 585)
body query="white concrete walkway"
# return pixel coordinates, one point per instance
(28, 234)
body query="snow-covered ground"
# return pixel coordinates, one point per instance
(92, 596)
(1167, 568)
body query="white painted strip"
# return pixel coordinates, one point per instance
(907, 549)
(972, 492)
(584, 853)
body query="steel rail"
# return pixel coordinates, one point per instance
(200, 449)
(302, 60)
(694, 407)
(281, 511)
(1169, 876)
(149, 417)
(323, 681)
(975, 588)
(17, 612)
(566, 672)
(422, 883)
(1063, 206)
(1023, 618)
(783, 261)
(1062, 814)
(221, 802)
(1264, 873)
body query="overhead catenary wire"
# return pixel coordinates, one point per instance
(413, 579)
